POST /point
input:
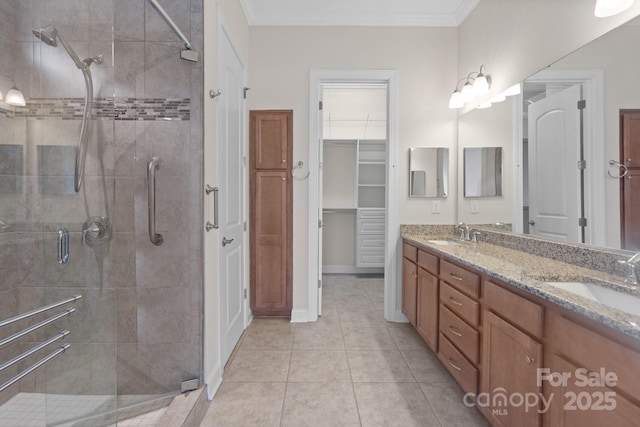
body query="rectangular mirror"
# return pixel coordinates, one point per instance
(428, 172)
(483, 172)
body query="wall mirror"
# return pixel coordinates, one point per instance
(428, 172)
(601, 72)
(483, 172)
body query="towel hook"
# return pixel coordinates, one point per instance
(300, 165)
(624, 173)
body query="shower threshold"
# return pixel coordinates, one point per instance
(61, 410)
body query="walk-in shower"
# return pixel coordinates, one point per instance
(50, 36)
(107, 331)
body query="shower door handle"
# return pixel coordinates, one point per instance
(155, 238)
(208, 190)
(63, 246)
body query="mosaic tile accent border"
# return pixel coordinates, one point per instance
(103, 108)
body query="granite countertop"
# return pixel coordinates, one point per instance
(530, 272)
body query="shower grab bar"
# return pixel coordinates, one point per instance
(33, 367)
(37, 326)
(39, 310)
(155, 238)
(33, 350)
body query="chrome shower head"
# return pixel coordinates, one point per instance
(49, 35)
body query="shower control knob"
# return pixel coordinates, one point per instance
(96, 231)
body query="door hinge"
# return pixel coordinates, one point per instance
(244, 92)
(582, 222)
(582, 104)
(320, 105)
(319, 223)
(245, 293)
(582, 164)
(244, 161)
(245, 226)
(320, 284)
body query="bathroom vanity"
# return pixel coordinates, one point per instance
(522, 335)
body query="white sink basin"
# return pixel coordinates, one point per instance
(606, 296)
(444, 242)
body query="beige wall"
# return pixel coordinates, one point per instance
(516, 38)
(281, 60)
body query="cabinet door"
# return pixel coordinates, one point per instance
(271, 130)
(427, 308)
(509, 368)
(270, 291)
(409, 287)
(572, 403)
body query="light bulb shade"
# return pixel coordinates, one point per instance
(498, 98)
(456, 100)
(513, 90)
(468, 94)
(606, 8)
(15, 97)
(481, 85)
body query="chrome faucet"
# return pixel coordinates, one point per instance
(632, 277)
(464, 231)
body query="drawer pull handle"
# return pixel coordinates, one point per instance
(457, 368)
(455, 332)
(453, 276)
(530, 360)
(455, 302)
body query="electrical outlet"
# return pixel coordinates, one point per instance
(474, 207)
(435, 207)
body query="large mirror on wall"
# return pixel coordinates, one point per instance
(428, 172)
(567, 144)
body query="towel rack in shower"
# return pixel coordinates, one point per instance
(37, 348)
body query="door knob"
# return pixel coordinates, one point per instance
(210, 226)
(226, 241)
(532, 222)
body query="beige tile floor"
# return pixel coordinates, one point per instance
(351, 368)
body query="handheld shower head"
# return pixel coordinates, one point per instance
(49, 35)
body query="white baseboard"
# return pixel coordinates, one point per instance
(214, 379)
(350, 269)
(399, 317)
(299, 316)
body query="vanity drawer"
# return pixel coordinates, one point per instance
(464, 372)
(523, 313)
(463, 279)
(410, 252)
(463, 336)
(460, 304)
(428, 262)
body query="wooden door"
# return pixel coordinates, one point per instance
(630, 184)
(510, 362)
(427, 308)
(271, 229)
(409, 289)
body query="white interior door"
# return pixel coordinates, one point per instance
(554, 151)
(232, 186)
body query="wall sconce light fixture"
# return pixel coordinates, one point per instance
(476, 84)
(606, 8)
(14, 96)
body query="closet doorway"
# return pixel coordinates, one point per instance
(353, 138)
